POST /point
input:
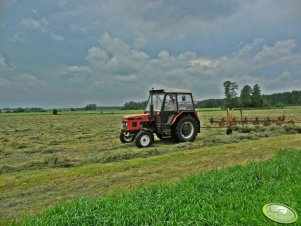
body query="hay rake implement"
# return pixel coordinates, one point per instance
(231, 120)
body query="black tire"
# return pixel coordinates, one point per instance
(185, 129)
(159, 135)
(144, 139)
(126, 137)
(229, 131)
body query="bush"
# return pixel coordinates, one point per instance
(280, 105)
(54, 111)
(90, 107)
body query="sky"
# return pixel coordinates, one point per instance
(69, 53)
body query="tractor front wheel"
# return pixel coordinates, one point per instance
(126, 137)
(144, 139)
(186, 129)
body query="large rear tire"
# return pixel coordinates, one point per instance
(186, 129)
(126, 137)
(144, 139)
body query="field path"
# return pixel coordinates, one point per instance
(31, 191)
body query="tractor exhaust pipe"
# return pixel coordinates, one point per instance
(151, 107)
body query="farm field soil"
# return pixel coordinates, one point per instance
(46, 158)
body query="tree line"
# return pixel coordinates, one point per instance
(251, 97)
(21, 110)
(88, 107)
(132, 105)
(248, 97)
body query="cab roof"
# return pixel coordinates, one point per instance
(170, 90)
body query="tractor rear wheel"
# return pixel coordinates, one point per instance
(144, 139)
(126, 137)
(186, 129)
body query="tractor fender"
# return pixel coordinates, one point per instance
(193, 114)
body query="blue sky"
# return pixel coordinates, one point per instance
(69, 53)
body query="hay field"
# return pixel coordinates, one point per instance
(48, 158)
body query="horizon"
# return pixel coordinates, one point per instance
(113, 106)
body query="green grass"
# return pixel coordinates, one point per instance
(232, 196)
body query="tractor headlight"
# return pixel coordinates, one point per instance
(125, 124)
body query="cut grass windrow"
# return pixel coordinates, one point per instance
(232, 196)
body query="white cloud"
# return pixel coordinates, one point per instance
(140, 42)
(78, 28)
(21, 82)
(180, 37)
(164, 54)
(97, 55)
(113, 45)
(76, 70)
(40, 25)
(281, 50)
(18, 37)
(282, 81)
(126, 78)
(277, 83)
(34, 12)
(201, 62)
(113, 62)
(4, 66)
(56, 37)
(248, 49)
(113, 56)
(64, 3)
(9, 3)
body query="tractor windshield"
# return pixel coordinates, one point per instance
(157, 102)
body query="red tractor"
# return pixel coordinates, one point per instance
(169, 113)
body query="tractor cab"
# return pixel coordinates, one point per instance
(169, 113)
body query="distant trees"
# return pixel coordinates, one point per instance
(230, 100)
(286, 98)
(21, 110)
(210, 103)
(90, 107)
(257, 100)
(249, 97)
(246, 96)
(134, 105)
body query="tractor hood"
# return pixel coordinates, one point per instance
(142, 117)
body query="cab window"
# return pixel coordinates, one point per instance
(185, 102)
(170, 102)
